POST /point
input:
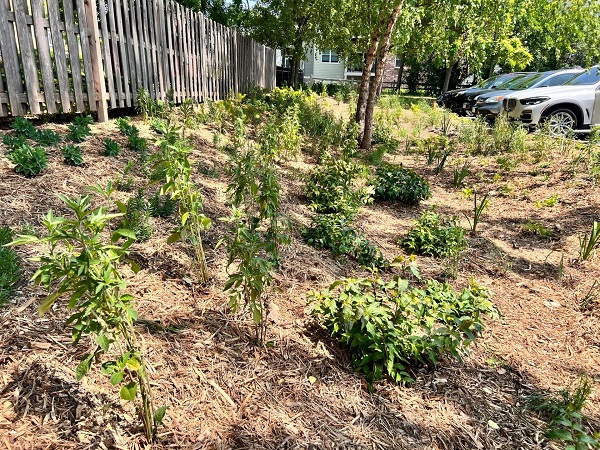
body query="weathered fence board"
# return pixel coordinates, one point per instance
(56, 56)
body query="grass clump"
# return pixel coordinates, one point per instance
(399, 184)
(390, 327)
(10, 265)
(435, 235)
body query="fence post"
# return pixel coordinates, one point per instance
(96, 52)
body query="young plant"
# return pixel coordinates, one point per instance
(550, 202)
(124, 182)
(161, 205)
(390, 327)
(72, 155)
(588, 242)
(13, 141)
(99, 308)
(460, 174)
(10, 265)
(111, 148)
(143, 103)
(46, 138)
(80, 130)
(137, 143)
(23, 127)
(435, 235)
(478, 209)
(136, 217)
(399, 184)
(533, 227)
(125, 127)
(29, 161)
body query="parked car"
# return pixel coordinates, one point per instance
(455, 99)
(574, 106)
(489, 105)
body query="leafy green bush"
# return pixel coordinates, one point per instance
(13, 141)
(137, 144)
(161, 205)
(435, 235)
(111, 148)
(46, 138)
(29, 161)
(334, 232)
(10, 265)
(72, 155)
(23, 127)
(393, 183)
(137, 217)
(331, 187)
(125, 127)
(78, 133)
(390, 326)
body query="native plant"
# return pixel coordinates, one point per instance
(460, 174)
(46, 138)
(137, 143)
(143, 103)
(536, 228)
(562, 411)
(29, 161)
(13, 141)
(80, 129)
(588, 242)
(72, 155)
(136, 217)
(435, 235)
(174, 165)
(10, 265)
(161, 205)
(390, 327)
(125, 127)
(478, 209)
(111, 148)
(399, 184)
(80, 266)
(23, 127)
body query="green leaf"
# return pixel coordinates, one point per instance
(184, 218)
(47, 303)
(493, 425)
(103, 342)
(134, 266)
(128, 391)
(174, 238)
(560, 434)
(83, 366)
(122, 206)
(125, 233)
(116, 378)
(133, 364)
(159, 415)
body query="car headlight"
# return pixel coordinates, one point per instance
(534, 100)
(494, 99)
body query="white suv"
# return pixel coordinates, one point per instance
(574, 106)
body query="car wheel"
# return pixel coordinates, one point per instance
(561, 122)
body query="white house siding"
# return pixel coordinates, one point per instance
(315, 68)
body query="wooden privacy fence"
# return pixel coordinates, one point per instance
(62, 56)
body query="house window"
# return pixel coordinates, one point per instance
(329, 56)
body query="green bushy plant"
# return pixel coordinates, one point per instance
(10, 265)
(72, 155)
(136, 217)
(588, 242)
(82, 267)
(111, 148)
(78, 133)
(161, 205)
(46, 138)
(332, 188)
(125, 127)
(29, 161)
(397, 183)
(137, 143)
(334, 232)
(23, 127)
(435, 235)
(390, 327)
(13, 141)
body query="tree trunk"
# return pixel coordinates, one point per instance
(384, 48)
(365, 81)
(294, 70)
(492, 67)
(447, 78)
(400, 72)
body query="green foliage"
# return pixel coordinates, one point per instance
(478, 209)
(46, 138)
(78, 133)
(111, 148)
(399, 184)
(23, 127)
(72, 155)
(13, 141)
(125, 127)
(550, 202)
(124, 182)
(137, 143)
(334, 232)
(536, 228)
(390, 327)
(332, 188)
(507, 137)
(588, 242)
(143, 103)
(460, 174)
(161, 205)
(136, 217)
(29, 161)
(566, 423)
(281, 135)
(76, 255)
(435, 235)
(10, 265)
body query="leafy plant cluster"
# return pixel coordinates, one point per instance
(10, 265)
(399, 184)
(435, 235)
(72, 155)
(390, 327)
(136, 217)
(80, 129)
(24, 129)
(29, 161)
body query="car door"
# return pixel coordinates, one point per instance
(596, 113)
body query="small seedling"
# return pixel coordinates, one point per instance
(125, 127)
(111, 148)
(72, 155)
(533, 227)
(478, 210)
(548, 203)
(588, 242)
(460, 175)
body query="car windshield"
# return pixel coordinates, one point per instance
(529, 82)
(586, 78)
(517, 81)
(494, 81)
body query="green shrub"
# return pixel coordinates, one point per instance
(46, 138)
(111, 148)
(78, 133)
(72, 155)
(137, 143)
(23, 127)
(137, 217)
(435, 235)
(331, 187)
(162, 205)
(393, 183)
(125, 127)
(390, 327)
(334, 232)
(10, 265)
(13, 141)
(29, 161)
